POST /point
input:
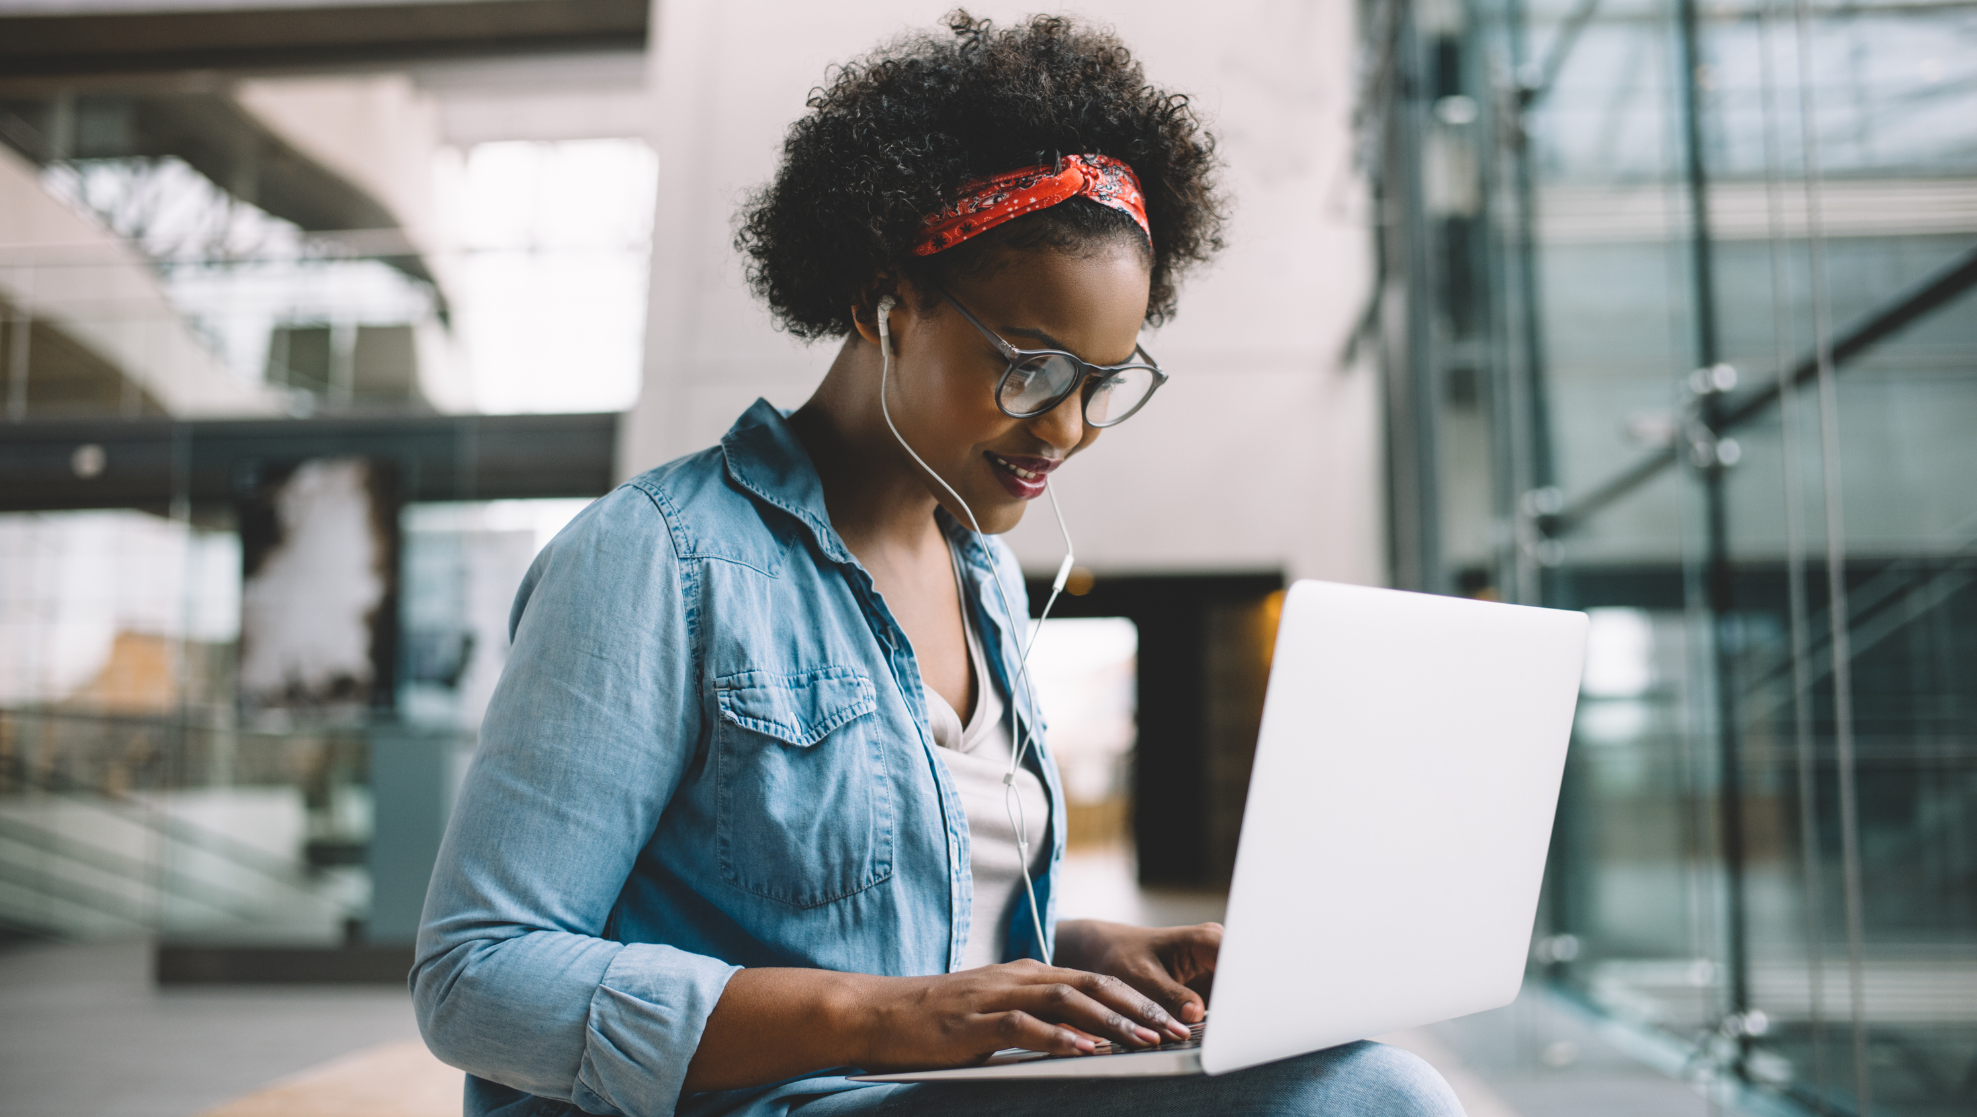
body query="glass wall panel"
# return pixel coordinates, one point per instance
(272, 342)
(1728, 359)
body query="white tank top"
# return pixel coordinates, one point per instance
(977, 755)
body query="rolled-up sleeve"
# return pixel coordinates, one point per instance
(587, 737)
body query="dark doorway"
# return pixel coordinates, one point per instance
(1204, 655)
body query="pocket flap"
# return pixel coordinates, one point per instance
(800, 709)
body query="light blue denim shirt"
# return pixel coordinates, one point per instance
(709, 750)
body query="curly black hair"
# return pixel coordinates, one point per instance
(892, 137)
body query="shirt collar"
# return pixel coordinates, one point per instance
(974, 559)
(765, 457)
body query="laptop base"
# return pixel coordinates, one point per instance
(1137, 1064)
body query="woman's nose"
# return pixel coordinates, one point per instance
(1062, 426)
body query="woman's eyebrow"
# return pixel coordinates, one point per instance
(1025, 331)
(1040, 335)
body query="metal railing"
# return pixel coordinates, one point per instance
(110, 824)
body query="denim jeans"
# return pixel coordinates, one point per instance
(1356, 1080)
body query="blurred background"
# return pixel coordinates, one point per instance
(318, 320)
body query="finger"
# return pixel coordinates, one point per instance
(1139, 1009)
(1149, 974)
(1073, 1003)
(1062, 1004)
(1184, 1003)
(1192, 951)
(1080, 1032)
(1189, 953)
(1135, 1001)
(1017, 1028)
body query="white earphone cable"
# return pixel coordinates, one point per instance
(1018, 731)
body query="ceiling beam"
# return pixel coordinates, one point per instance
(45, 465)
(280, 38)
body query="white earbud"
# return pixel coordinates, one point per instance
(1019, 740)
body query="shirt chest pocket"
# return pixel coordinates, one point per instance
(803, 807)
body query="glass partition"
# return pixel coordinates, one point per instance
(1678, 329)
(150, 782)
(297, 373)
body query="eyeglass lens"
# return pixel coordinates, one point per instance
(1034, 384)
(1117, 394)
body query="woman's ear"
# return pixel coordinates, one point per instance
(884, 291)
(866, 321)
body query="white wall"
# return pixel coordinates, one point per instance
(589, 96)
(1261, 453)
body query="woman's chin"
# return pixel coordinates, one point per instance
(1001, 520)
(997, 512)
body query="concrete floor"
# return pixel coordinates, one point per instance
(85, 1033)
(1540, 1058)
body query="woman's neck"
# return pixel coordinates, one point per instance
(877, 498)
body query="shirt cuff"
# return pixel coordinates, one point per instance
(644, 1026)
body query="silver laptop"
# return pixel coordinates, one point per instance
(1395, 833)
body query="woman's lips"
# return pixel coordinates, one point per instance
(1021, 474)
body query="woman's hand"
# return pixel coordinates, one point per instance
(960, 1018)
(1172, 965)
(773, 1023)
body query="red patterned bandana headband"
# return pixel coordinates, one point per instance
(989, 202)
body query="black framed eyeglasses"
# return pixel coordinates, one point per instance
(1037, 380)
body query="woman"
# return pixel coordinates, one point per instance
(739, 818)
